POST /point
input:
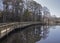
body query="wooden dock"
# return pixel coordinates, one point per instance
(5, 29)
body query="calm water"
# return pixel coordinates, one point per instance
(35, 34)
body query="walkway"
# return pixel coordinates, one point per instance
(5, 28)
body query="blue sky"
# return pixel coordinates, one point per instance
(52, 5)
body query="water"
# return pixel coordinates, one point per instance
(35, 34)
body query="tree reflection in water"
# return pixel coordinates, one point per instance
(29, 35)
(45, 31)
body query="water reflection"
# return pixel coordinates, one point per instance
(45, 31)
(29, 35)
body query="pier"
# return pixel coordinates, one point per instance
(6, 28)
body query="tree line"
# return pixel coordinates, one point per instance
(21, 11)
